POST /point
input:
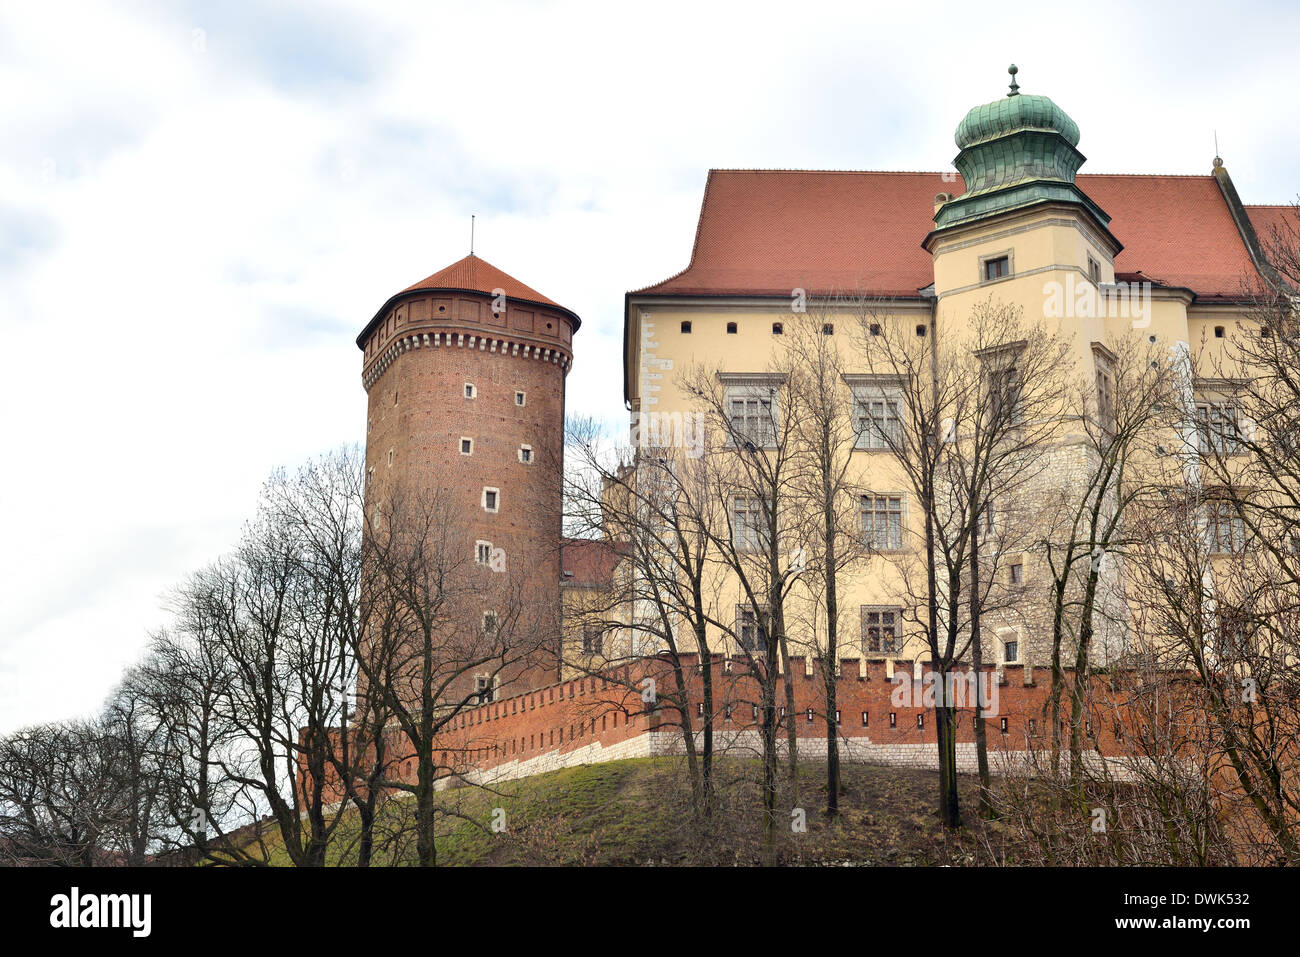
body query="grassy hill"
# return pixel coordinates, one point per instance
(637, 812)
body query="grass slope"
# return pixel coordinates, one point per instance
(637, 812)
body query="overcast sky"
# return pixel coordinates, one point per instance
(200, 207)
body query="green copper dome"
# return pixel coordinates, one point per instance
(1015, 152)
(1011, 114)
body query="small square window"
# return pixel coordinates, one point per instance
(686, 327)
(828, 328)
(466, 445)
(731, 329)
(874, 329)
(920, 331)
(470, 391)
(1218, 332)
(526, 454)
(778, 329)
(520, 398)
(491, 499)
(997, 268)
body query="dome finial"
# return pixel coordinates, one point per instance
(1015, 87)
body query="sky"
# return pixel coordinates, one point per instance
(201, 205)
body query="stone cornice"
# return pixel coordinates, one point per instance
(491, 344)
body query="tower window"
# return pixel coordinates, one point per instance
(865, 720)
(1017, 574)
(778, 329)
(390, 458)
(526, 454)
(466, 445)
(491, 499)
(482, 553)
(828, 328)
(470, 391)
(997, 268)
(893, 719)
(731, 328)
(520, 398)
(394, 397)
(686, 327)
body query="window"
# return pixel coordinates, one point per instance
(997, 268)
(828, 328)
(920, 331)
(1104, 367)
(1094, 270)
(810, 715)
(1218, 332)
(686, 327)
(466, 445)
(491, 499)
(880, 630)
(482, 552)
(489, 623)
(875, 329)
(1004, 394)
(731, 329)
(893, 719)
(521, 398)
(746, 518)
(750, 632)
(882, 521)
(920, 720)
(865, 720)
(878, 416)
(1016, 574)
(592, 641)
(1002, 725)
(1225, 529)
(1217, 428)
(778, 329)
(753, 416)
(483, 688)
(470, 391)
(390, 458)
(1011, 650)
(526, 454)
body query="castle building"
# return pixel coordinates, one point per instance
(1014, 220)
(465, 373)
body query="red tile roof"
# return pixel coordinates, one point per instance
(480, 275)
(766, 232)
(588, 561)
(1275, 222)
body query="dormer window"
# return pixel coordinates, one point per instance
(997, 268)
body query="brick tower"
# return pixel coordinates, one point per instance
(465, 374)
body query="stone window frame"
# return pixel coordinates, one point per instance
(496, 492)
(902, 517)
(882, 652)
(521, 398)
(749, 616)
(482, 557)
(470, 391)
(868, 388)
(758, 388)
(528, 460)
(463, 440)
(1211, 396)
(1008, 254)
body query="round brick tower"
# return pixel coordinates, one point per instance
(465, 374)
